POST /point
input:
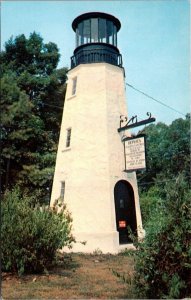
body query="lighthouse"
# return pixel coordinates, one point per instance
(89, 173)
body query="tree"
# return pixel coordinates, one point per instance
(168, 151)
(32, 98)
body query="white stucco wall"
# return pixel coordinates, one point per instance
(94, 162)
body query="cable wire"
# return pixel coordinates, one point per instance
(158, 101)
(146, 95)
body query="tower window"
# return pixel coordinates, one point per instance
(74, 84)
(68, 137)
(62, 190)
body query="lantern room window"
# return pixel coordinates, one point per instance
(86, 31)
(102, 30)
(96, 30)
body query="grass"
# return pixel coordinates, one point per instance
(78, 276)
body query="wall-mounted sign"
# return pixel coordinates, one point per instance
(122, 224)
(135, 153)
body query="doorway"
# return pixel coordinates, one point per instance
(125, 211)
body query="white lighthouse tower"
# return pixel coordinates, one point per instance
(89, 174)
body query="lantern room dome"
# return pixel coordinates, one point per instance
(95, 15)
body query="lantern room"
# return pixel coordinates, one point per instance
(96, 39)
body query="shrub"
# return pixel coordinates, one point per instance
(149, 202)
(31, 235)
(162, 262)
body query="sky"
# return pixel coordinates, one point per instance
(153, 40)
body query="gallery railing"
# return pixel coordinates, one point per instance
(95, 55)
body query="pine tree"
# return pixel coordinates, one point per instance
(32, 98)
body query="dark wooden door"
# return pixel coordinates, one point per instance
(125, 211)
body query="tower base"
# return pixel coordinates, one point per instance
(105, 243)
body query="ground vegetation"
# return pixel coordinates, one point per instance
(162, 260)
(32, 234)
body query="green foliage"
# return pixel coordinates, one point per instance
(149, 202)
(31, 54)
(32, 234)
(168, 152)
(32, 97)
(163, 260)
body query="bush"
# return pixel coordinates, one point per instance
(31, 234)
(163, 268)
(149, 202)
